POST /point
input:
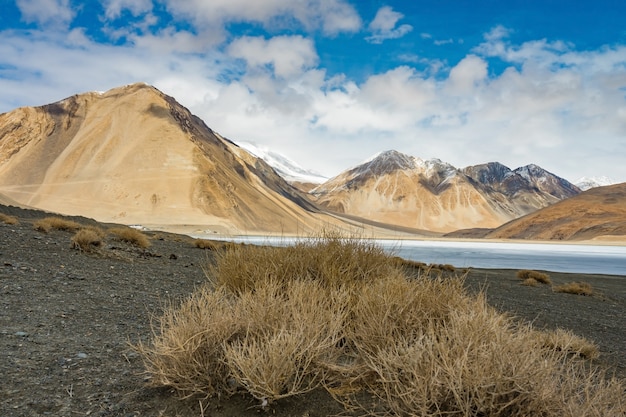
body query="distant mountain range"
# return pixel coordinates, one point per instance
(135, 155)
(399, 189)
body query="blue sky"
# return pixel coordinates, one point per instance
(328, 83)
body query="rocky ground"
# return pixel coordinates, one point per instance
(68, 319)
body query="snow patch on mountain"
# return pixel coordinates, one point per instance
(585, 183)
(284, 166)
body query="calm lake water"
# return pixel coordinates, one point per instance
(548, 257)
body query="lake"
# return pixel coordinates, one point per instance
(590, 259)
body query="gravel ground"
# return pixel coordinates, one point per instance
(67, 320)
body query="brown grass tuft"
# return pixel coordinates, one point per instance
(205, 244)
(536, 275)
(566, 341)
(340, 314)
(56, 223)
(6, 219)
(530, 282)
(578, 288)
(87, 239)
(130, 235)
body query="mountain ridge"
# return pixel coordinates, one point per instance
(400, 189)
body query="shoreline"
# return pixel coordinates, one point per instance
(198, 231)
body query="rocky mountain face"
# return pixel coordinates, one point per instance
(135, 155)
(430, 194)
(599, 213)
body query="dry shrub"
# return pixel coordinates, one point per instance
(333, 314)
(566, 341)
(187, 349)
(330, 259)
(291, 331)
(578, 288)
(530, 282)
(7, 219)
(56, 223)
(536, 275)
(87, 239)
(205, 244)
(130, 235)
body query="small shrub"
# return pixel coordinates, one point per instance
(537, 276)
(565, 341)
(205, 244)
(530, 282)
(578, 288)
(100, 232)
(6, 219)
(130, 235)
(86, 240)
(56, 223)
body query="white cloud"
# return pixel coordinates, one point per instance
(287, 55)
(46, 12)
(383, 26)
(497, 33)
(114, 8)
(467, 75)
(331, 16)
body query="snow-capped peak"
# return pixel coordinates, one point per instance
(585, 183)
(284, 166)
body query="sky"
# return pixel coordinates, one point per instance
(329, 83)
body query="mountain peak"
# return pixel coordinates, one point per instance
(585, 183)
(384, 163)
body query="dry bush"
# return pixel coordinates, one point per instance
(6, 219)
(205, 244)
(578, 288)
(566, 341)
(530, 282)
(87, 239)
(187, 348)
(56, 223)
(130, 235)
(332, 260)
(356, 325)
(536, 275)
(292, 331)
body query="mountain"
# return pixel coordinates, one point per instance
(135, 155)
(526, 188)
(403, 190)
(598, 213)
(299, 177)
(585, 183)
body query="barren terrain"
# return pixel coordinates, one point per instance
(67, 319)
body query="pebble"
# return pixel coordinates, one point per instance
(21, 334)
(81, 355)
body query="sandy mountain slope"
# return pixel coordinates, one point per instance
(134, 155)
(402, 190)
(599, 213)
(407, 191)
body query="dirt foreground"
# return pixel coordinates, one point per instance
(67, 320)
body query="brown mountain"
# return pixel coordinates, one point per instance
(135, 155)
(599, 213)
(403, 190)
